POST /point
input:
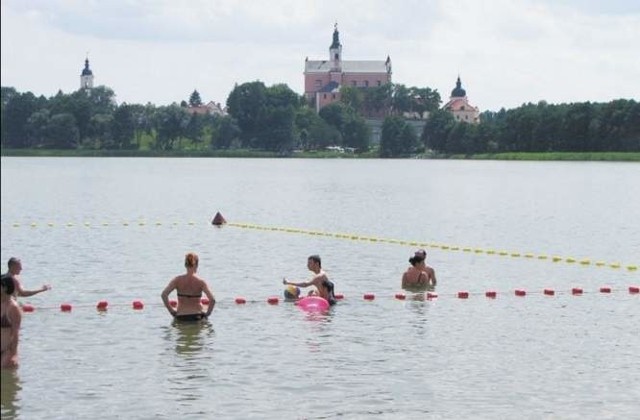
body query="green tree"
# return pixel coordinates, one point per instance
(398, 138)
(124, 127)
(436, 130)
(63, 132)
(352, 97)
(246, 104)
(225, 132)
(37, 128)
(170, 124)
(194, 99)
(16, 114)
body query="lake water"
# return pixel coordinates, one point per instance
(117, 229)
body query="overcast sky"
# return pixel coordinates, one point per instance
(507, 52)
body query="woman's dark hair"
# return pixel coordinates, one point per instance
(8, 284)
(416, 259)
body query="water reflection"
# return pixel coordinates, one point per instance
(419, 305)
(190, 337)
(9, 400)
(319, 323)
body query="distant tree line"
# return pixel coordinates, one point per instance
(277, 119)
(542, 127)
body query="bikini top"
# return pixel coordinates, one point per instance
(189, 296)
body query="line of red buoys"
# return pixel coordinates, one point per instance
(274, 300)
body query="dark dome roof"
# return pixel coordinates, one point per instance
(458, 92)
(86, 71)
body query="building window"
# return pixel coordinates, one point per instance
(462, 108)
(379, 83)
(354, 83)
(333, 96)
(366, 83)
(336, 57)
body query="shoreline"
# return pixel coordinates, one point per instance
(244, 153)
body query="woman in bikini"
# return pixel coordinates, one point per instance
(10, 319)
(189, 287)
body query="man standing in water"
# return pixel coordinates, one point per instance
(320, 280)
(429, 271)
(15, 268)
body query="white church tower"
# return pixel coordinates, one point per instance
(86, 78)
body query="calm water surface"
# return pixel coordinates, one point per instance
(117, 229)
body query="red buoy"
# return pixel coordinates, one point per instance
(138, 305)
(273, 300)
(634, 289)
(339, 296)
(218, 220)
(491, 294)
(605, 289)
(520, 292)
(65, 307)
(369, 296)
(431, 295)
(576, 291)
(102, 305)
(463, 295)
(27, 308)
(400, 296)
(549, 292)
(173, 303)
(241, 300)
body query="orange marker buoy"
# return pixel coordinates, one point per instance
(218, 220)
(339, 296)
(173, 303)
(241, 300)
(520, 292)
(65, 307)
(634, 289)
(27, 308)
(273, 300)
(605, 289)
(204, 301)
(102, 305)
(369, 296)
(576, 291)
(491, 294)
(400, 296)
(463, 295)
(138, 305)
(549, 292)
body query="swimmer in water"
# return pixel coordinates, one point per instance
(324, 287)
(10, 319)
(15, 268)
(419, 275)
(189, 287)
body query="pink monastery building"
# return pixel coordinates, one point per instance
(324, 78)
(460, 107)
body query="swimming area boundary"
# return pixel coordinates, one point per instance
(584, 262)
